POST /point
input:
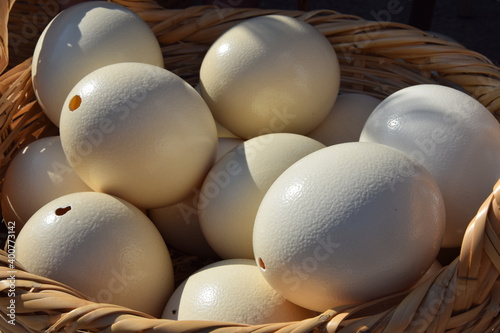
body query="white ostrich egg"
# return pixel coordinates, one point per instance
(139, 132)
(102, 246)
(270, 74)
(233, 189)
(231, 290)
(39, 173)
(82, 38)
(453, 136)
(348, 224)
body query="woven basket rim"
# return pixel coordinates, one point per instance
(376, 58)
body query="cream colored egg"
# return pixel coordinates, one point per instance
(222, 132)
(234, 187)
(231, 290)
(450, 133)
(179, 223)
(102, 246)
(270, 74)
(346, 119)
(38, 174)
(139, 132)
(347, 224)
(85, 37)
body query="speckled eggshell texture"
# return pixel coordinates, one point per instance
(38, 174)
(233, 189)
(347, 224)
(102, 246)
(139, 132)
(270, 74)
(231, 290)
(85, 37)
(453, 136)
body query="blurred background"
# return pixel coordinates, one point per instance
(474, 24)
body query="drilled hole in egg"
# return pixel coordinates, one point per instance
(261, 264)
(63, 210)
(75, 102)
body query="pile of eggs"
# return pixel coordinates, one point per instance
(303, 198)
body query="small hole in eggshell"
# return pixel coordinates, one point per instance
(261, 264)
(63, 210)
(75, 102)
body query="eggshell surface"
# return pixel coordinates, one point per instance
(36, 175)
(233, 189)
(270, 74)
(139, 132)
(453, 136)
(102, 246)
(231, 291)
(346, 119)
(82, 38)
(347, 224)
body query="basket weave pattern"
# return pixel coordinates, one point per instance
(376, 58)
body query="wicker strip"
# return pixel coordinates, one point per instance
(406, 48)
(376, 58)
(5, 7)
(21, 118)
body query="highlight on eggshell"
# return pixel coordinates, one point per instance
(347, 224)
(231, 290)
(453, 136)
(235, 185)
(38, 174)
(270, 74)
(102, 246)
(139, 132)
(82, 38)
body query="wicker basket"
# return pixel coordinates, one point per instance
(376, 58)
